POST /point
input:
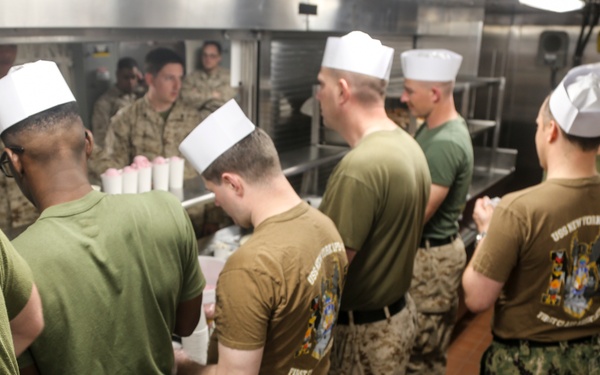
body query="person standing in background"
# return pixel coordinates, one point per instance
(154, 125)
(279, 294)
(376, 196)
(16, 212)
(120, 95)
(117, 274)
(441, 257)
(209, 87)
(537, 260)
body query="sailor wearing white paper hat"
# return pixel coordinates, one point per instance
(279, 293)
(16, 212)
(444, 137)
(377, 212)
(98, 259)
(541, 250)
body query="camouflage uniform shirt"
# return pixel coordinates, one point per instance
(107, 105)
(140, 130)
(199, 87)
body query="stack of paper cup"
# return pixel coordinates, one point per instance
(196, 346)
(130, 180)
(112, 181)
(160, 173)
(144, 173)
(176, 166)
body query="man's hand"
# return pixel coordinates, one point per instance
(482, 213)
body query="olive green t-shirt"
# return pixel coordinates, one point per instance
(449, 154)
(111, 271)
(543, 243)
(281, 290)
(16, 282)
(377, 196)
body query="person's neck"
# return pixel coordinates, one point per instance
(359, 123)
(273, 199)
(571, 164)
(441, 114)
(60, 187)
(211, 71)
(158, 105)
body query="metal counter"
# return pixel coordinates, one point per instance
(293, 162)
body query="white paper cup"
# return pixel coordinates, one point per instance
(223, 252)
(160, 177)
(144, 179)
(196, 345)
(178, 192)
(130, 182)
(176, 167)
(112, 184)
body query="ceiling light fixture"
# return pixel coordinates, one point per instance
(559, 6)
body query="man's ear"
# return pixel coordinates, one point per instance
(89, 143)
(436, 93)
(344, 91)
(233, 181)
(16, 162)
(149, 79)
(554, 131)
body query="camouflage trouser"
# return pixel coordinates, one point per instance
(380, 348)
(434, 287)
(562, 359)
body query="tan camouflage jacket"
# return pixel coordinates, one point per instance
(207, 91)
(140, 130)
(107, 105)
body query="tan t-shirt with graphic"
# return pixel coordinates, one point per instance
(543, 243)
(282, 290)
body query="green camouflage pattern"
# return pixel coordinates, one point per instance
(106, 106)
(380, 348)
(207, 91)
(436, 278)
(562, 359)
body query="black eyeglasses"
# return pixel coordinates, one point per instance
(5, 160)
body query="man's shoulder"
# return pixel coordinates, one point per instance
(132, 112)
(155, 199)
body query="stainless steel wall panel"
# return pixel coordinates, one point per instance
(394, 16)
(456, 28)
(509, 49)
(287, 76)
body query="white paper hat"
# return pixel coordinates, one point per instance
(216, 134)
(357, 52)
(432, 65)
(575, 103)
(29, 89)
